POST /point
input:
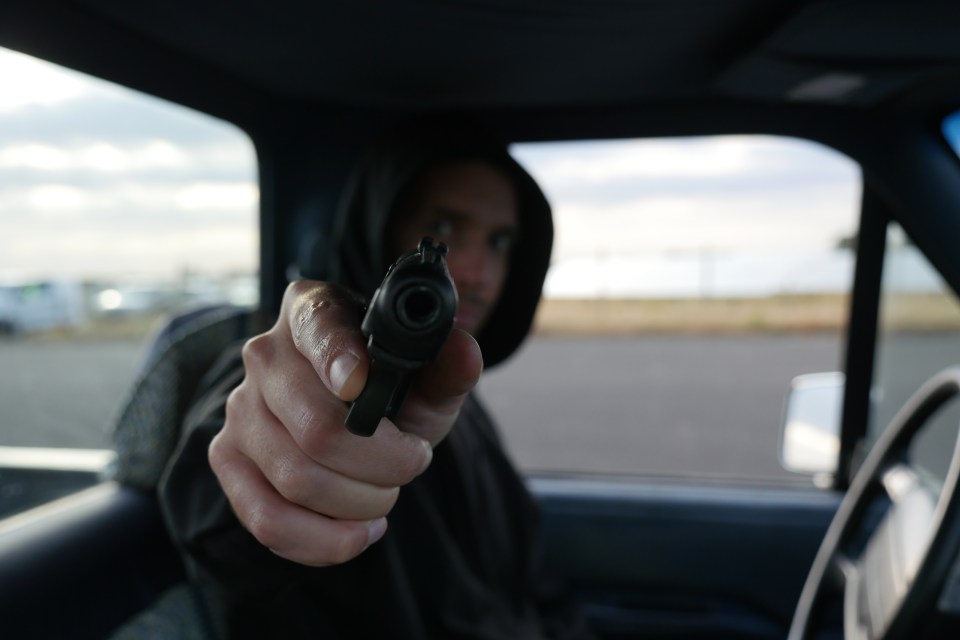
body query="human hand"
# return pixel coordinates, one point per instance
(302, 484)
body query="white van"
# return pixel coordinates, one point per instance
(41, 305)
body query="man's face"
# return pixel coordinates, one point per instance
(472, 207)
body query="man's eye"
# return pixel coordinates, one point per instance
(441, 228)
(502, 243)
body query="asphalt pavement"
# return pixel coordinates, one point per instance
(654, 404)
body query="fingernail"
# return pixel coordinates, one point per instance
(429, 457)
(341, 370)
(376, 530)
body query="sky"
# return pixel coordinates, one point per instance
(95, 178)
(98, 180)
(719, 193)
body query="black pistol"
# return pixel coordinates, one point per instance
(406, 323)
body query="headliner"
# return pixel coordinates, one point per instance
(233, 59)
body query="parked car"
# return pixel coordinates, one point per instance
(32, 306)
(312, 83)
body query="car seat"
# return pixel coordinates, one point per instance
(146, 434)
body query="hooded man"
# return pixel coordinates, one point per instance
(286, 522)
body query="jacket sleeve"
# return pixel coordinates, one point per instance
(246, 583)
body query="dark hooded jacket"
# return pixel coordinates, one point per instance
(460, 558)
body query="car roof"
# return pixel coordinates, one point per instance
(510, 60)
(312, 82)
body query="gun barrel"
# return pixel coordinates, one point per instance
(419, 307)
(406, 323)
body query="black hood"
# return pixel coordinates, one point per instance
(358, 256)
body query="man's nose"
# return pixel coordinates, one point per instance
(470, 266)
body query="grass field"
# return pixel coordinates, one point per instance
(695, 315)
(788, 313)
(793, 313)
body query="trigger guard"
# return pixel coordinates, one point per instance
(381, 397)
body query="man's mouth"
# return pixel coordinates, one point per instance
(470, 312)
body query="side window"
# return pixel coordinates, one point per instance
(951, 131)
(691, 280)
(919, 335)
(116, 210)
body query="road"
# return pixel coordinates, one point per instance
(661, 404)
(63, 393)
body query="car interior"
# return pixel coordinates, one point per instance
(867, 551)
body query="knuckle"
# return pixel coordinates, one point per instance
(400, 473)
(325, 547)
(314, 434)
(346, 546)
(299, 288)
(372, 503)
(322, 302)
(235, 403)
(217, 453)
(298, 291)
(257, 351)
(261, 525)
(406, 471)
(292, 480)
(412, 462)
(389, 498)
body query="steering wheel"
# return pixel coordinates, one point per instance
(893, 541)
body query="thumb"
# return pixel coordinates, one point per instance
(434, 400)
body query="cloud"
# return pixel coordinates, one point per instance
(98, 179)
(105, 161)
(686, 158)
(120, 255)
(692, 221)
(209, 196)
(113, 181)
(56, 198)
(724, 192)
(599, 162)
(36, 83)
(44, 103)
(120, 115)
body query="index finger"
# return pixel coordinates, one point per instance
(324, 324)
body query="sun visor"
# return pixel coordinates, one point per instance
(827, 53)
(773, 79)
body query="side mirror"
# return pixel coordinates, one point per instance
(811, 425)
